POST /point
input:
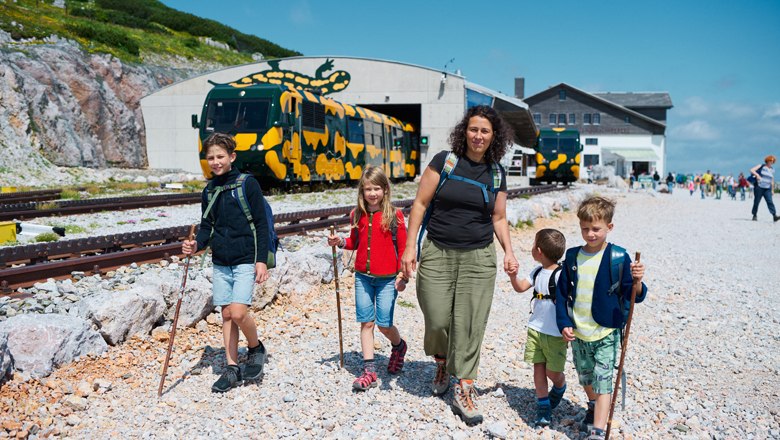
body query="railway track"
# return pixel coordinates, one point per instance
(30, 196)
(29, 210)
(23, 266)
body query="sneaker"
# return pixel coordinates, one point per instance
(543, 416)
(755, 218)
(365, 381)
(230, 377)
(597, 434)
(555, 397)
(464, 403)
(254, 362)
(587, 422)
(776, 217)
(441, 382)
(396, 363)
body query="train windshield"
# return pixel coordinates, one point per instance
(569, 144)
(234, 116)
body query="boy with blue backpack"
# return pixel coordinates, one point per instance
(592, 301)
(238, 226)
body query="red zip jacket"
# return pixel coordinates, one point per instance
(376, 254)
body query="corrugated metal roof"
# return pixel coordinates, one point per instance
(637, 99)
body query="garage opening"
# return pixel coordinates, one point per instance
(410, 113)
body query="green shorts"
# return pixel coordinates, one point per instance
(595, 361)
(541, 348)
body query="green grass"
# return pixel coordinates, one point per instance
(406, 304)
(46, 237)
(521, 224)
(147, 220)
(131, 29)
(74, 229)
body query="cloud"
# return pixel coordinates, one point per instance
(693, 106)
(696, 130)
(772, 112)
(736, 110)
(300, 14)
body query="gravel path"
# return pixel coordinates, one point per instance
(703, 360)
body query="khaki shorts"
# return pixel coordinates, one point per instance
(595, 361)
(541, 348)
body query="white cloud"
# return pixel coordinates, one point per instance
(300, 14)
(735, 110)
(693, 106)
(772, 112)
(695, 130)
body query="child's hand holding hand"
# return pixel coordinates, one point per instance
(637, 271)
(513, 269)
(568, 334)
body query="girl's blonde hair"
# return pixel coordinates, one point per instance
(376, 176)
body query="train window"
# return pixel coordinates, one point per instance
(552, 118)
(355, 132)
(231, 116)
(572, 118)
(568, 144)
(313, 115)
(561, 118)
(596, 118)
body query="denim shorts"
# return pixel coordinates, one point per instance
(375, 299)
(233, 284)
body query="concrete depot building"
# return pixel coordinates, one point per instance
(432, 100)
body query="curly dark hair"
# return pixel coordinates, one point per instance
(502, 133)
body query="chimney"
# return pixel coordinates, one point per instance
(520, 87)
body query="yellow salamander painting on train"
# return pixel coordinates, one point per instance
(288, 133)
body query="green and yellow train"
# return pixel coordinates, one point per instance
(285, 135)
(558, 154)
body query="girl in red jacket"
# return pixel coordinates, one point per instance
(377, 228)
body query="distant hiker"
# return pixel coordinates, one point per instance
(656, 179)
(764, 175)
(545, 349)
(239, 255)
(376, 229)
(592, 299)
(464, 192)
(743, 185)
(670, 182)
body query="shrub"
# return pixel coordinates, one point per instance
(106, 35)
(46, 237)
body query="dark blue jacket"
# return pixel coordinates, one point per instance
(232, 242)
(606, 309)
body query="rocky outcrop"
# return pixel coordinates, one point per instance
(39, 343)
(61, 105)
(6, 361)
(124, 314)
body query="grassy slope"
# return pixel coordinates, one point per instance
(27, 19)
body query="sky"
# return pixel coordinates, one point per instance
(719, 60)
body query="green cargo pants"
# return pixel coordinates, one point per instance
(455, 291)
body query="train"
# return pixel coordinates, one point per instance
(286, 135)
(558, 155)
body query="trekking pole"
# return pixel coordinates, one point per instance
(338, 298)
(624, 347)
(176, 316)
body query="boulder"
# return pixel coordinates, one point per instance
(6, 361)
(39, 343)
(121, 314)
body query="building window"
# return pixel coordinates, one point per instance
(590, 159)
(561, 118)
(562, 95)
(586, 118)
(552, 118)
(572, 119)
(591, 141)
(627, 119)
(596, 118)
(538, 118)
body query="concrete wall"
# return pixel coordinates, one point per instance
(171, 142)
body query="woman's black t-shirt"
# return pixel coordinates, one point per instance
(460, 217)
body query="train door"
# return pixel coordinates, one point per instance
(356, 141)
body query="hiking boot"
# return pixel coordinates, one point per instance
(755, 218)
(543, 416)
(597, 434)
(396, 363)
(555, 396)
(364, 382)
(464, 403)
(776, 217)
(587, 422)
(441, 381)
(254, 362)
(230, 377)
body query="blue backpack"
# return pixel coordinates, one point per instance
(446, 173)
(240, 186)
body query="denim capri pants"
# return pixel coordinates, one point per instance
(375, 299)
(233, 284)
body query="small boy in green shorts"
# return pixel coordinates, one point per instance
(592, 298)
(545, 348)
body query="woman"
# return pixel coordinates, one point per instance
(457, 273)
(765, 177)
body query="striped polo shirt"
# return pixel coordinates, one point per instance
(586, 328)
